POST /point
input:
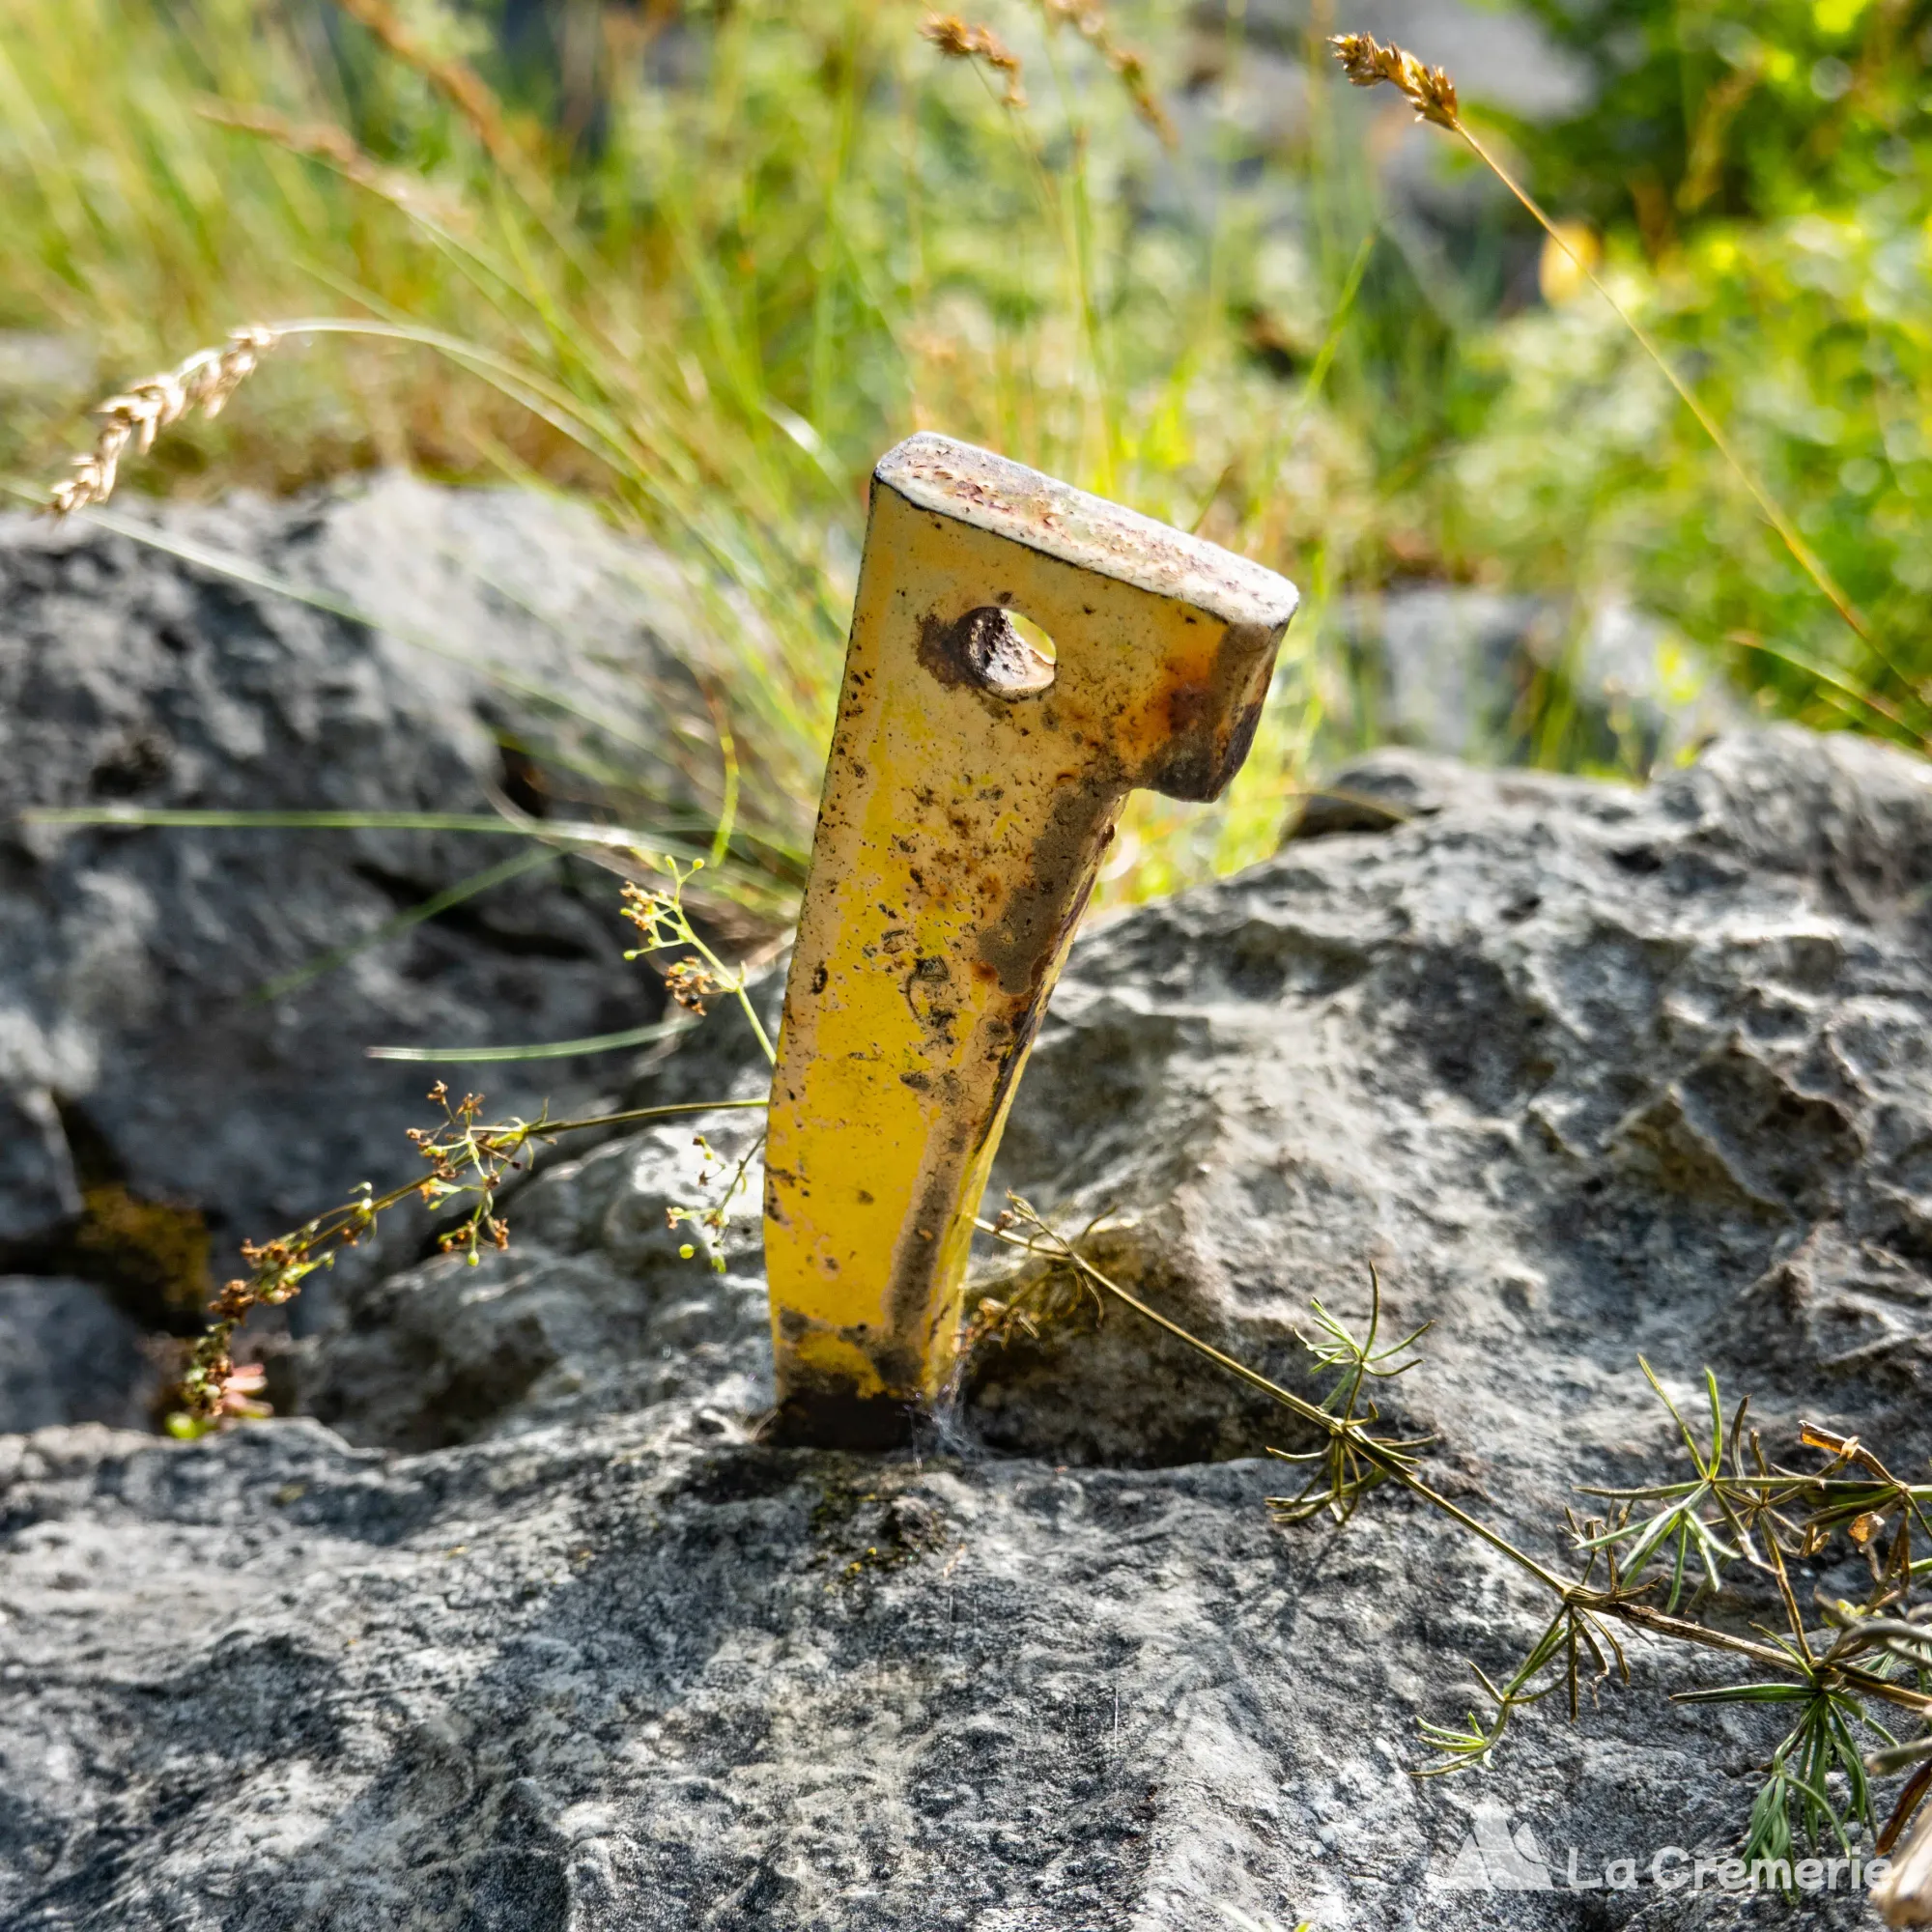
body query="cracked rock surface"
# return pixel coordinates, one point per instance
(525, 1629)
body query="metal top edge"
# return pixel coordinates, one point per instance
(1006, 498)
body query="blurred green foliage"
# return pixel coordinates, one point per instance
(1736, 109)
(1761, 171)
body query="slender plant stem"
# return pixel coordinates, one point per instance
(1576, 1596)
(635, 1114)
(1390, 1464)
(1807, 558)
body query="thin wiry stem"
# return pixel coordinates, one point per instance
(1808, 559)
(466, 1158)
(1370, 63)
(1387, 1458)
(1581, 1624)
(659, 913)
(458, 84)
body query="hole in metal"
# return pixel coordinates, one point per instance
(1006, 653)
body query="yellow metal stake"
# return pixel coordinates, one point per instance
(973, 786)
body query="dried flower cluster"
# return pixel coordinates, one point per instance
(205, 381)
(659, 913)
(1050, 1298)
(958, 41)
(714, 1217)
(468, 1160)
(691, 983)
(465, 1157)
(1368, 63)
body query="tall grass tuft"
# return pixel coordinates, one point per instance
(768, 240)
(711, 318)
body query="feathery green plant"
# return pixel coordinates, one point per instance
(1737, 1507)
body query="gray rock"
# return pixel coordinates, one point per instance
(1584, 1072)
(66, 1355)
(1446, 668)
(1395, 785)
(594, 1313)
(136, 1045)
(39, 1187)
(1581, 1070)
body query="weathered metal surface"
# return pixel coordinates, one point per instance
(972, 787)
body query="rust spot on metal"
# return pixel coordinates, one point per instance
(1022, 945)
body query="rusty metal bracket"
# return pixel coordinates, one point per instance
(973, 784)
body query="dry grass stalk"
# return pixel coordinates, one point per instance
(1089, 20)
(459, 83)
(1904, 1896)
(1432, 92)
(958, 40)
(205, 381)
(323, 141)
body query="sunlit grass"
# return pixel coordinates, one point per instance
(794, 234)
(714, 325)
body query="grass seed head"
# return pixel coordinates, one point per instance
(1089, 20)
(956, 39)
(1368, 62)
(205, 381)
(458, 82)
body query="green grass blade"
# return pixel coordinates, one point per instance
(440, 902)
(560, 1049)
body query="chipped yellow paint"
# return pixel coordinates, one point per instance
(971, 790)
